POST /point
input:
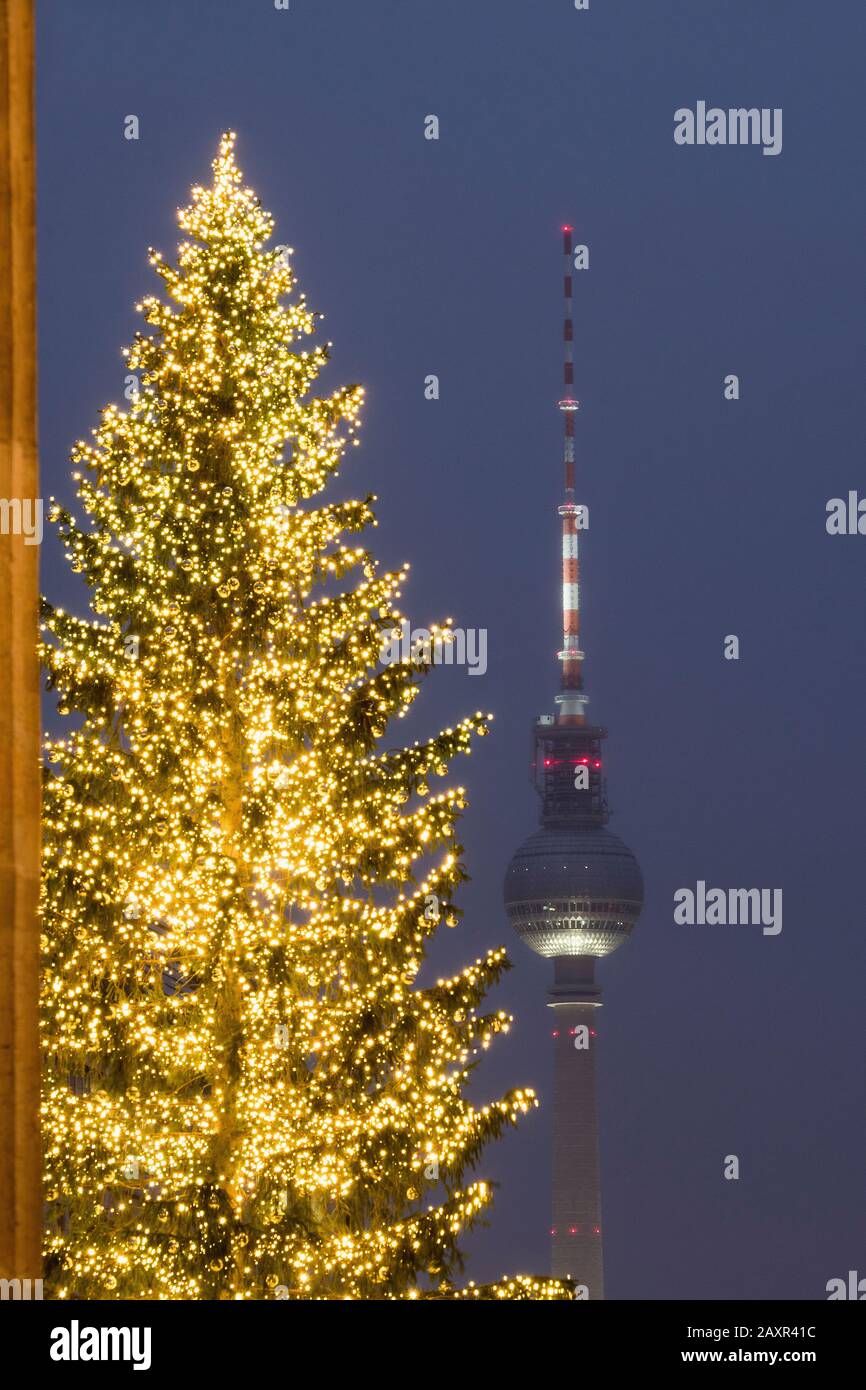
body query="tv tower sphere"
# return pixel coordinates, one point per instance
(573, 892)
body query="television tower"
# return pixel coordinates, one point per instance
(573, 892)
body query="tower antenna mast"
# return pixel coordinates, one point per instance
(572, 701)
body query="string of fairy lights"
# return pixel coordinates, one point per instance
(247, 1093)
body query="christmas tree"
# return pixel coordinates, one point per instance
(248, 1094)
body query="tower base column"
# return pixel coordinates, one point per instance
(575, 1000)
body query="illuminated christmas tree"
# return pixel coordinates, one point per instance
(248, 1094)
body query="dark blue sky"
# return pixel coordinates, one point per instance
(707, 517)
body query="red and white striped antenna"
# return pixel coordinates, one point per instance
(571, 700)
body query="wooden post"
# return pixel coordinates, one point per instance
(20, 1150)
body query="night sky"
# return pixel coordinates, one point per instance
(707, 517)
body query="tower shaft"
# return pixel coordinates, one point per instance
(576, 1244)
